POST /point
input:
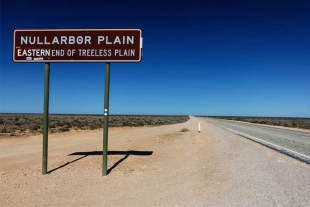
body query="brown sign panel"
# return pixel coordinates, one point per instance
(77, 45)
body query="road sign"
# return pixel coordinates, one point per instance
(77, 45)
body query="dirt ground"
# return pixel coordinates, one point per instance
(151, 166)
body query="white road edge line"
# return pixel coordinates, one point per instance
(305, 137)
(283, 148)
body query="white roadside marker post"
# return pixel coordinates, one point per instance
(199, 127)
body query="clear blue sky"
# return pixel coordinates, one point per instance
(247, 58)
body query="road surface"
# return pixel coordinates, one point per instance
(291, 142)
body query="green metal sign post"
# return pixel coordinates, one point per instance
(45, 117)
(106, 120)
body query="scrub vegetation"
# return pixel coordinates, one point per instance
(32, 124)
(184, 130)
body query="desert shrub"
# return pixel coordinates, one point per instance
(34, 127)
(125, 123)
(92, 127)
(21, 120)
(64, 129)
(52, 126)
(60, 124)
(184, 130)
(77, 123)
(3, 130)
(67, 124)
(10, 130)
(148, 122)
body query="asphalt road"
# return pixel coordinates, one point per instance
(291, 142)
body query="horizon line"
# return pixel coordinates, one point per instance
(197, 115)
